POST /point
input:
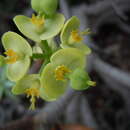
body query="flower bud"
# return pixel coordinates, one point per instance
(44, 6)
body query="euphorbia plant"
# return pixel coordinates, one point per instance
(63, 65)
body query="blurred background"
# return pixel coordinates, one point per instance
(104, 107)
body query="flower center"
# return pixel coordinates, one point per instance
(60, 72)
(12, 56)
(37, 20)
(77, 36)
(33, 93)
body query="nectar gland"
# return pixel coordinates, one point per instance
(37, 20)
(77, 36)
(33, 93)
(12, 56)
(60, 72)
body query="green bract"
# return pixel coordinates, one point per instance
(26, 82)
(51, 27)
(13, 41)
(71, 25)
(79, 79)
(45, 6)
(69, 57)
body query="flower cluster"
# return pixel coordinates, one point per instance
(63, 65)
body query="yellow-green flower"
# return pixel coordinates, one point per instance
(18, 53)
(29, 85)
(71, 36)
(55, 76)
(40, 27)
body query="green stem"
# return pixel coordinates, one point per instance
(38, 56)
(43, 65)
(45, 47)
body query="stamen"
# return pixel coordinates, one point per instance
(38, 21)
(33, 93)
(91, 83)
(60, 72)
(76, 36)
(12, 56)
(86, 32)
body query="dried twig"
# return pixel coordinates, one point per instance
(72, 111)
(52, 110)
(109, 71)
(49, 115)
(86, 114)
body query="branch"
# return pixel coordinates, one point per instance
(109, 71)
(53, 110)
(72, 111)
(49, 115)
(86, 114)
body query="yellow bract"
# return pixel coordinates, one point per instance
(38, 21)
(60, 72)
(33, 93)
(12, 56)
